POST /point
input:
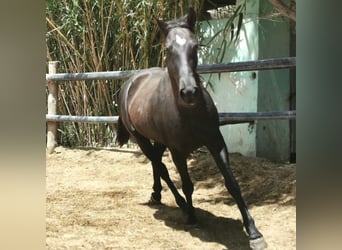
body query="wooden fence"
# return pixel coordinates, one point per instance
(53, 77)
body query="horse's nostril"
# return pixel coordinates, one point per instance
(186, 93)
(189, 95)
(189, 91)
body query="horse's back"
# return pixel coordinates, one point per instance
(138, 97)
(139, 80)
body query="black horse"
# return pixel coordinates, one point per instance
(169, 108)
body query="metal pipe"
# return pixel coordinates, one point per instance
(225, 118)
(277, 63)
(266, 64)
(247, 117)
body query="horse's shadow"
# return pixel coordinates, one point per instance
(210, 228)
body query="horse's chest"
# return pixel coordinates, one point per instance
(182, 135)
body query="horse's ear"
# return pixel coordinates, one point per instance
(162, 25)
(191, 18)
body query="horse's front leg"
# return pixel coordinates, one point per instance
(220, 154)
(187, 186)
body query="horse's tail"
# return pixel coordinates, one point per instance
(122, 135)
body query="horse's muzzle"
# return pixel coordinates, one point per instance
(190, 95)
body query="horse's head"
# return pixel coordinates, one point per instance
(181, 57)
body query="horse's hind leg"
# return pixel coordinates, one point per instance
(155, 161)
(161, 170)
(154, 153)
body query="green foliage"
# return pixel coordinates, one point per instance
(226, 37)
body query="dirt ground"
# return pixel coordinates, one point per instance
(97, 199)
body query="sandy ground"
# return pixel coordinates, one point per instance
(97, 199)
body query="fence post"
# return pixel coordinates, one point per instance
(52, 109)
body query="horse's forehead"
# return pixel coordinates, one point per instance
(180, 40)
(180, 36)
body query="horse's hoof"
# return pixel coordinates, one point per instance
(258, 244)
(154, 201)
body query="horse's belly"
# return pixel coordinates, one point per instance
(154, 126)
(144, 126)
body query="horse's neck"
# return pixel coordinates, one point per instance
(171, 84)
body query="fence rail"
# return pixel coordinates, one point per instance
(266, 64)
(225, 118)
(247, 117)
(53, 77)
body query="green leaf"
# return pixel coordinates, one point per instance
(239, 25)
